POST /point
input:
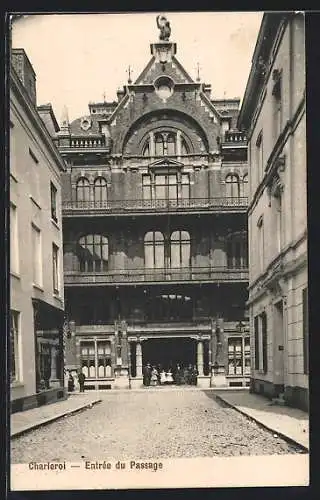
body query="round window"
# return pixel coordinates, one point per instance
(164, 87)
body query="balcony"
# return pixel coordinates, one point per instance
(235, 137)
(76, 277)
(149, 207)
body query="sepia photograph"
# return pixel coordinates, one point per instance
(159, 333)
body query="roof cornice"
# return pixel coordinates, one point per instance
(22, 95)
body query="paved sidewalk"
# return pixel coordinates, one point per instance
(24, 421)
(288, 422)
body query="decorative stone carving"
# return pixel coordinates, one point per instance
(164, 27)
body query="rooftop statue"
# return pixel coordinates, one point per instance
(164, 27)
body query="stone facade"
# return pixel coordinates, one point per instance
(36, 275)
(273, 114)
(155, 231)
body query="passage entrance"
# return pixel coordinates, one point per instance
(169, 352)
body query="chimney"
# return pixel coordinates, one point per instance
(47, 116)
(25, 72)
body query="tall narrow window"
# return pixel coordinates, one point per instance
(104, 359)
(235, 356)
(36, 255)
(14, 346)
(154, 250)
(278, 215)
(237, 252)
(247, 363)
(146, 187)
(100, 190)
(55, 268)
(146, 149)
(93, 253)
(305, 326)
(259, 157)
(159, 145)
(88, 363)
(261, 244)
(83, 189)
(171, 145)
(232, 186)
(14, 241)
(180, 249)
(256, 343)
(185, 186)
(53, 194)
(277, 104)
(264, 340)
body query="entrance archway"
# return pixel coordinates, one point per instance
(169, 352)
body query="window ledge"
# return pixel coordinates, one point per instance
(16, 384)
(34, 201)
(38, 287)
(55, 223)
(57, 297)
(15, 275)
(13, 176)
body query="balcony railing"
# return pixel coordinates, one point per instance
(235, 136)
(154, 206)
(187, 274)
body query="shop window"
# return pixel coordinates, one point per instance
(235, 356)
(104, 359)
(88, 365)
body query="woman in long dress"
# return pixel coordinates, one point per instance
(154, 376)
(169, 377)
(163, 378)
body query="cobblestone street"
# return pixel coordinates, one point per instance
(149, 425)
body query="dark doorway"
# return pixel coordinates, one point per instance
(169, 352)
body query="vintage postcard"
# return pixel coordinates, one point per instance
(158, 250)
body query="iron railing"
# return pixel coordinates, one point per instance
(159, 205)
(208, 274)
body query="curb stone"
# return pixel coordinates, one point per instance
(49, 420)
(289, 439)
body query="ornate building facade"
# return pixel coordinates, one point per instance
(36, 258)
(273, 114)
(155, 230)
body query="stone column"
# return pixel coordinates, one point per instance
(200, 357)
(53, 363)
(151, 143)
(138, 359)
(178, 144)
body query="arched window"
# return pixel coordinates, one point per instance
(237, 252)
(154, 250)
(100, 190)
(232, 186)
(93, 253)
(245, 185)
(180, 249)
(83, 189)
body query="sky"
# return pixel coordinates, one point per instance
(80, 58)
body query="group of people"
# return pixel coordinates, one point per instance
(71, 383)
(157, 375)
